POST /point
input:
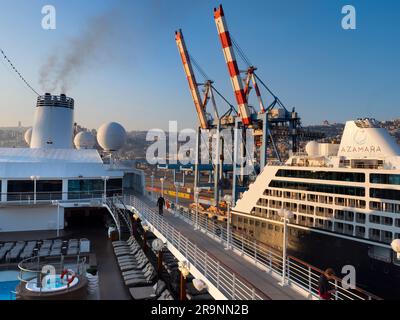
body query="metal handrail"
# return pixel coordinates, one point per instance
(225, 280)
(273, 261)
(49, 197)
(37, 271)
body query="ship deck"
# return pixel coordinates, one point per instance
(251, 273)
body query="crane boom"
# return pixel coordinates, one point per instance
(194, 89)
(233, 69)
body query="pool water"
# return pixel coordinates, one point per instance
(5, 290)
(8, 283)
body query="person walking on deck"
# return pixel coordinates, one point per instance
(161, 204)
(324, 287)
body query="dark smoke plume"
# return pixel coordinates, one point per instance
(91, 48)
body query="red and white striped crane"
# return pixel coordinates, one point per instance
(194, 88)
(229, 54)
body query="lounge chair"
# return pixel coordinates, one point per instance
(148, 292)
(136, 282)
(166, 295)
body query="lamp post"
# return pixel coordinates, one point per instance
(184, 272)
(228, 200)
(176, 194)
(158, 246)
(162, 186)
(152, 185)
(58, 219)
(135, 220)
(196, 196)
(285, 215)
(145, 228)
(34, 178)
(105, 178)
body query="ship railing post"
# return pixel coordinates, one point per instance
(218, 272)
(242, 244)
(270, 261)
(234, 286)
(288, 269)
(309, 281)
(336, 290)
(205, 265)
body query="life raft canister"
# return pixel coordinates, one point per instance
(70, 274)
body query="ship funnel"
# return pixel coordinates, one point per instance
(53, 122)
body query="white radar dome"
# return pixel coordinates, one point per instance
(84, 140)
(312, 148)
(28, 136)
(111, 136)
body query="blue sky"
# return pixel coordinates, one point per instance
(137, 79)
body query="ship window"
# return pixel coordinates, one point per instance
(385, 194)
(360, 231)
(322, 175)
(387, 221)
(85, 188)
(397, 222)
(49, 189)
(114, 186)
(374, 218)
(385, 178)
(360, 217)
(20, 190)
(313, 187)
(263, 225)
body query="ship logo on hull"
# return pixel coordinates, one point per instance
(353, 149)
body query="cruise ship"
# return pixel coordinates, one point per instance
(345, 200)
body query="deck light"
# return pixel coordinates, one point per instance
(396, 247)
(199, 284)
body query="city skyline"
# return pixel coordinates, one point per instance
(136, 78)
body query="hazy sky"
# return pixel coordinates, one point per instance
(133, 73)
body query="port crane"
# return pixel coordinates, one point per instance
(270, 123)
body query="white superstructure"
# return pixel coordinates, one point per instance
(351, 190)
(38, 183)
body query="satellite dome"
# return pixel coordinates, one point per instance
(111, 136)
(28, 136)
(84, 140)
(312, 148)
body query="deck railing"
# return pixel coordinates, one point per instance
(298, 273)
(229, 283)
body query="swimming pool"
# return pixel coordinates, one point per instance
(8, 283)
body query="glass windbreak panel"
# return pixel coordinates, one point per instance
(314, 187)
(49, 190)
(322, 175)
(385, 194)
(20, 190)
(85, 188)
(114, 187)
(385, 178)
